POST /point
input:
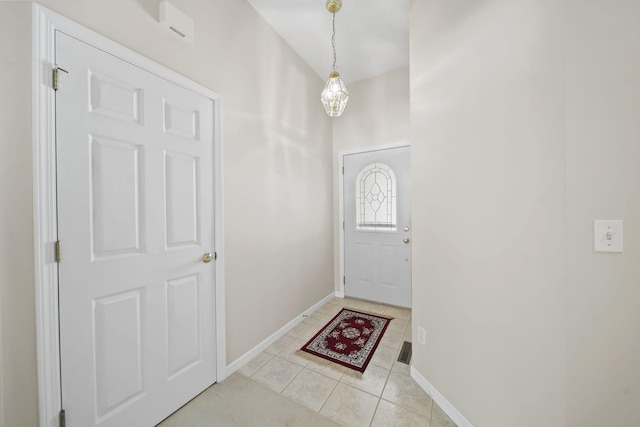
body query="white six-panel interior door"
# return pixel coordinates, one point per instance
(135, 187)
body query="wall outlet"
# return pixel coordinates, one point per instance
(422, 336)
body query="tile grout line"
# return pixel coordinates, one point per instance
(294, 377)
(380, 398)
(373, 417)
(328, 397)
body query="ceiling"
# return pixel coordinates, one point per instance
(372, 37)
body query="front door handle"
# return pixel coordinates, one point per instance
(207, 257)
(406, 240)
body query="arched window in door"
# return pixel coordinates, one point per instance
(376, 194)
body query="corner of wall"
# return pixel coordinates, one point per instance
(437, 397)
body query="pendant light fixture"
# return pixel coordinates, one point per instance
(334, 96)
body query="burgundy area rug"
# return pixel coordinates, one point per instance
(349, 339)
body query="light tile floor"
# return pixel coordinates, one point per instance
(385, 395)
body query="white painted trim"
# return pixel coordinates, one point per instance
(218, 197)
(438, 398)
(45, 23)
(255, 351)
(341, 154)
(45, 232)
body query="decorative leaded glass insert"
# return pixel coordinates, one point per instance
(376, 199)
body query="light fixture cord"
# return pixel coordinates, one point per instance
(333, 41)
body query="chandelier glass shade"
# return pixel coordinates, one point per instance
(335, 95)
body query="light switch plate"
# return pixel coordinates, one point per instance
(607, 235)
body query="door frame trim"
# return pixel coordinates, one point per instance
(44, 24)
(341, 154)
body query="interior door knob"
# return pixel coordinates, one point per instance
(406, 240)
(207, 257)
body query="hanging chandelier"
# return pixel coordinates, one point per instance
(334, 96)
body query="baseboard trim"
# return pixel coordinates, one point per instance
(246, 358)
(438, 398)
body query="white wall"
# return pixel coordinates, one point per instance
(488, 167)
(603, 182)
(277, 159)
(377, 114)
(524, 130)
(17, 317)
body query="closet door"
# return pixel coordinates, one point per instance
(135, 193)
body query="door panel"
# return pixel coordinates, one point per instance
(181, 120)
(181, 177)
(183, 323)
(118, 350)
(115, 99)
(116, 197)
(377, 209)
(135, 195)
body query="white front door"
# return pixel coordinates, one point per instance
(377, 229)
(135, 202)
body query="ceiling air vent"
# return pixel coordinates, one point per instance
(175, 20)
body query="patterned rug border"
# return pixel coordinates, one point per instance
(347, 365)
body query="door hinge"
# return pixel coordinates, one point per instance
(61, 419)
(57, 251)
(344, 280)
(56, 73)
(343, 170)
(343, 225)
